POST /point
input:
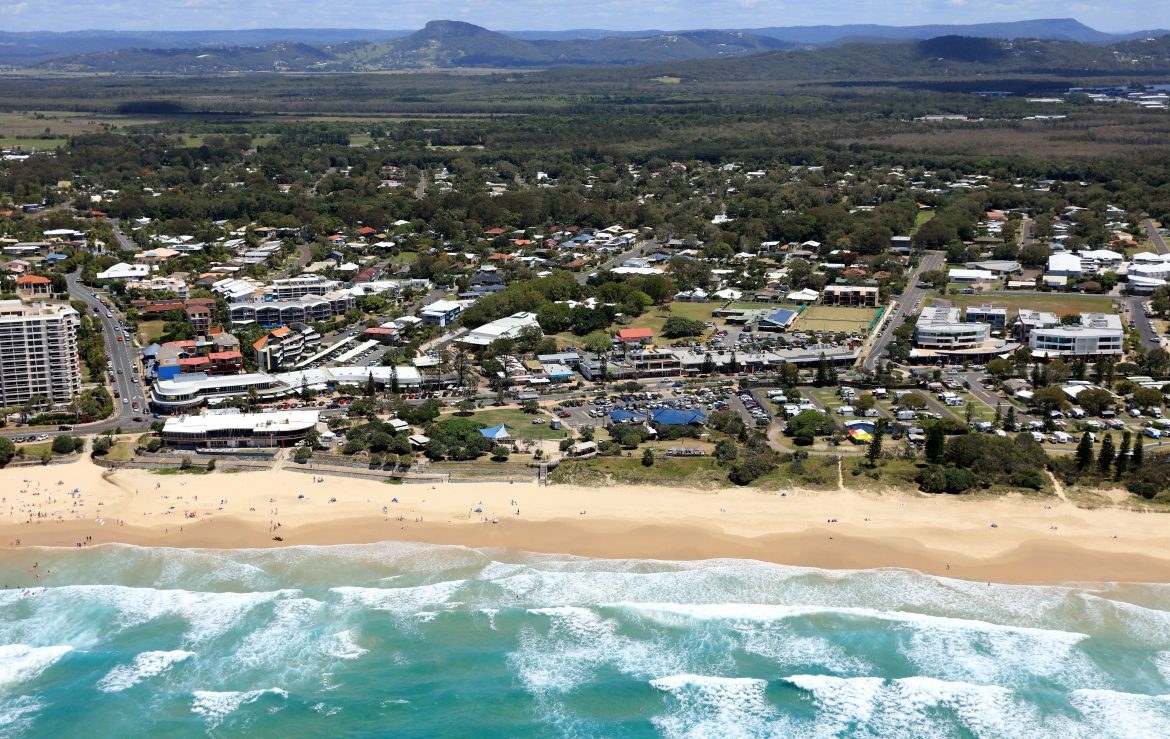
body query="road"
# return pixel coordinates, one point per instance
(1141, 321)
(910, 297)
(122, 354)
(1155, 237)
(638, 249)
(1027, 229)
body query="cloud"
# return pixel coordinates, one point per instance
(67, 15)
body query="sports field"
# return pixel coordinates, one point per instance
(834, 319)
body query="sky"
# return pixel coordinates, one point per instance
(520, 15)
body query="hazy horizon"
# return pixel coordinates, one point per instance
(555, 15)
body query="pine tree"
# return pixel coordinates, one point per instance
(1135, 458)
(935, 443)
(1105, 458)
(1009, 423)
(970, 413)
(822, 377)
(998, 415)
(1085, 452)
(875, 445)
(1122, 456)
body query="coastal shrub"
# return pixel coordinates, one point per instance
(608, 448)
(500, 453)
(7, 450)
(726, 451)
(102, 446)
(647, 457)
(302, 454)
(153, 445)
(808, 423)
(752, 465)
(66, 444)
(627, 435)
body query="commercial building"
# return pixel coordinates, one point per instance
(38, 352)
(970, 276)
(850, 295)
(309, 309)
(185, 391)
(1030, 320)
(504, 328)
(940, 328)
(1097, 334)
(989, 314)
(441, 312)
(230, 429)
(298, 287)
(283, 347)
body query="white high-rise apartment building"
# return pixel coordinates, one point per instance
(38, 352)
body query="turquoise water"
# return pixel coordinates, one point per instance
(409, 640)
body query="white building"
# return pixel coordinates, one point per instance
(941, 328)
(1064, 264)
(1030, 320)
(124, 271)
(38, 352)
(229, 428)
(1097, 334)
(504, 328)
(441, 312)
(970, 276)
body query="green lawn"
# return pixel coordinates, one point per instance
(816, 471)
(519, 423)
(693, 472)
(656, 317)
(922, 217)
(151, 331)
(1058, 303)
(835, 319)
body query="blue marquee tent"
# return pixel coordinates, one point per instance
(496, 433)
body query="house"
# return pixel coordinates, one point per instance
(635, 335)
(34, 287)
(124, 271)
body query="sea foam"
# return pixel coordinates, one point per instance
(216, 706)
(20, 663)
(145, 666)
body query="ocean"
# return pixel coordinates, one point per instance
(415, 640)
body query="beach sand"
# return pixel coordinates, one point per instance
(946, 535)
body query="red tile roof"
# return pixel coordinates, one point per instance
(33, 280)
(634, 334)
(216, 356)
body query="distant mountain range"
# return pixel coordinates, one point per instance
(453, 44)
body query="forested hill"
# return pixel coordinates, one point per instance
(701, 56)
(943, 57)
(440, 45)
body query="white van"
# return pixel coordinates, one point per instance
(1039, 437)
(1061, 437)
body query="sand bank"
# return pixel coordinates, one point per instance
(1033, 541)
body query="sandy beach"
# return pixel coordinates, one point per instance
(1032, 541)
